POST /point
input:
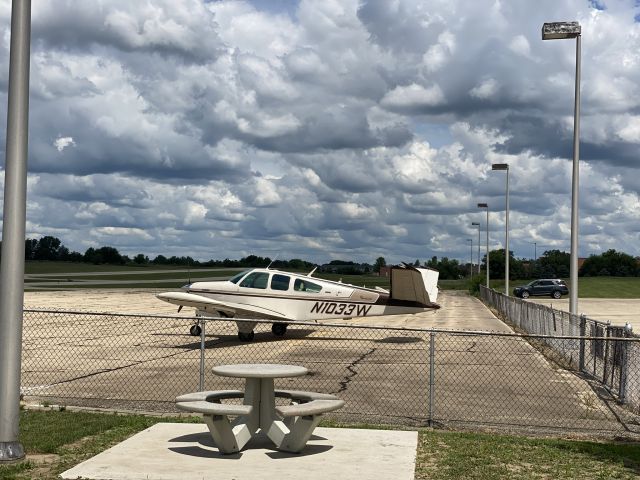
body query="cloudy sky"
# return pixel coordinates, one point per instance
(328, 129)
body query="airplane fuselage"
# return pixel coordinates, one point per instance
(286, 297)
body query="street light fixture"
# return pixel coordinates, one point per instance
(470, 257)
(478, 225)
(484, 205)
(564, 30)
(505, 167)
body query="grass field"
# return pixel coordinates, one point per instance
(57, 440)
(65, 275)
(592, 287)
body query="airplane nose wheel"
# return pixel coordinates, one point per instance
(279, 329)
(195, 330)
(246, 336)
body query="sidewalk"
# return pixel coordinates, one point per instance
(169, 451)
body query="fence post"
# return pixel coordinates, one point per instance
(623, 367)
(432, 356)
(605, 368)
(583, 328)
(202, 326)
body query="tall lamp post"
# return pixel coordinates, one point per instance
(505, 167)
(484, 205)
(535, 252)
(555, 31)
(470, 257)
(13, 232)
(478, 225)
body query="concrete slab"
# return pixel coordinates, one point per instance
(168, 451)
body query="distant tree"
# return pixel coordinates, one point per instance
(141, 259)
(30, 245)
(380, 262)
(448, 269)
(47, 248)
(416, 263)
(159, 260)
(611, 262)
(108, 255)
(341, 262)
(553, 263)
(497, 265)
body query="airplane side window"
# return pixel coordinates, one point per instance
(306, 286)
(280, 282)
(255, 280)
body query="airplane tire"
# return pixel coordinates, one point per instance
(246, 337)
(279, 329)
(195, 330)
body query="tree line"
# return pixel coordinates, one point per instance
(551, 264)
(556, 264)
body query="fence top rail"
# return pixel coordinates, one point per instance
(336, 325)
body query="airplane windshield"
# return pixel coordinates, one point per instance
(236, 278)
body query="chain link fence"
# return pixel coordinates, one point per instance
(403, 376)
(605, 353)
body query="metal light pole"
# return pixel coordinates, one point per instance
(505, 167)
(563, 30)
(535, 252)
(484, 205)
(470, 257)
(478, 224)
(13, 232)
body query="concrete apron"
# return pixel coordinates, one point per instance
(186, 451)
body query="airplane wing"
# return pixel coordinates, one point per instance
(209, 305)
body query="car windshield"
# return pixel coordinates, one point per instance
(531, 284)
(236, 278)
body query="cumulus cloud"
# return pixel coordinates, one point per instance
(326, 129)
(63, 142)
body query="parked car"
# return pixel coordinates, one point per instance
(553, 287)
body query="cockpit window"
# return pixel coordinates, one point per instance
(280, 282)
(306, 286)
(256, 280)
(236, 278)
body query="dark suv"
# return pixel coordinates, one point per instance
(553, 287)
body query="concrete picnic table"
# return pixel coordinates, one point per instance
(289, 427)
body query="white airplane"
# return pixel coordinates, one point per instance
(263, 293)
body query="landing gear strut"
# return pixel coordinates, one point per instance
(279, 329)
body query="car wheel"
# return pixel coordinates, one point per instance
(557, 294)
(524, 294)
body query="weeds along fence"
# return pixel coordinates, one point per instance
(603, 353)
(401, 376)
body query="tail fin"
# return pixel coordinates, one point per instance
(414, 284)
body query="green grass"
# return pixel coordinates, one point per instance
(451, 455)
(71, 437)
(592, 287)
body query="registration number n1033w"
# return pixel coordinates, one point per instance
(336, 308)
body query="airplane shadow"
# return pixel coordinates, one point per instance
(216, 340)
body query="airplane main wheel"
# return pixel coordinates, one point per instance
(246, 336)
(195, 330)
(279, 329)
